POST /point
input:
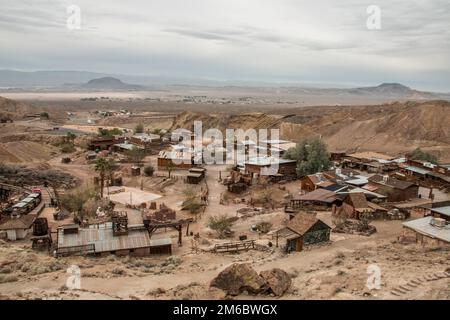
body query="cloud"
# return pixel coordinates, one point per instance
(267, 40)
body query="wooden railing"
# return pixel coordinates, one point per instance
(235, 246)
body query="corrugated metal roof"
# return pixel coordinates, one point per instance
(417, 170)
(127, 146)
(442, 210)
(20, 205)
(424, 226)
(266, 161)
(160, 242)
(440, 176)
(358, 182)
(104, 240)
(34, 195)
(367, 192)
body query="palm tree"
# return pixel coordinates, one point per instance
(102, 166)
(112, 166)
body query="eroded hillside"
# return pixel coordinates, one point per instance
(391, 128)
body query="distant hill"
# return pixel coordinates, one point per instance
(109, 83)
(55, 81)
(14, 109)
(394, 90)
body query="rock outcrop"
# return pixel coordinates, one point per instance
(277, 280)
(239, 278)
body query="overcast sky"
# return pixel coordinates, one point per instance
(306, 42)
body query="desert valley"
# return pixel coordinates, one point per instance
(100, 182)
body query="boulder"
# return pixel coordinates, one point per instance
(238, 278)
(277, 280)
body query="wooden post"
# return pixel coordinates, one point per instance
(180, 242)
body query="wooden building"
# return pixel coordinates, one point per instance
(431, 230)
(304, 229)
(395, 190)
(314, 181)
(17, 227)
(173, 159)
(102, 239)
(268, 166)
(319, 199)
(370, 161)
(195, 175)
(104, 143)
(355, 205)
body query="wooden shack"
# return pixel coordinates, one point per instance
(262, 166)
(320, 199)
(135, 171)
(17, 227)
(173, 159)
(102, 143)
(100, 240)
(195, 175)
(304, 229)
(395, 190)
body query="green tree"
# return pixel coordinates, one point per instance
(75, 200)
(170, 167)
(418, 154)
(311, 156)
(109, 132)
(67, 145)
(135, 155)
(102, 166)
(139, 128)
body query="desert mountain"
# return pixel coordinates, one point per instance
(109, 83)
(301, 94)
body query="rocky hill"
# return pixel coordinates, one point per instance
(391, 128)
(255, 120)
(13, 109)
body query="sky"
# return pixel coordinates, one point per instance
(320, 42)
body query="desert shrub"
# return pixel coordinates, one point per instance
(74, 201)
(264, 226)
(418, 154)
(193, 205)
(67, 147)
(44, 115)
(149, 170)
(191, 201)
(221, 224)
(91, 205)
(109, 132)
(135, 154)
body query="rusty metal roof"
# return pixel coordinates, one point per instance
(104, 240)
